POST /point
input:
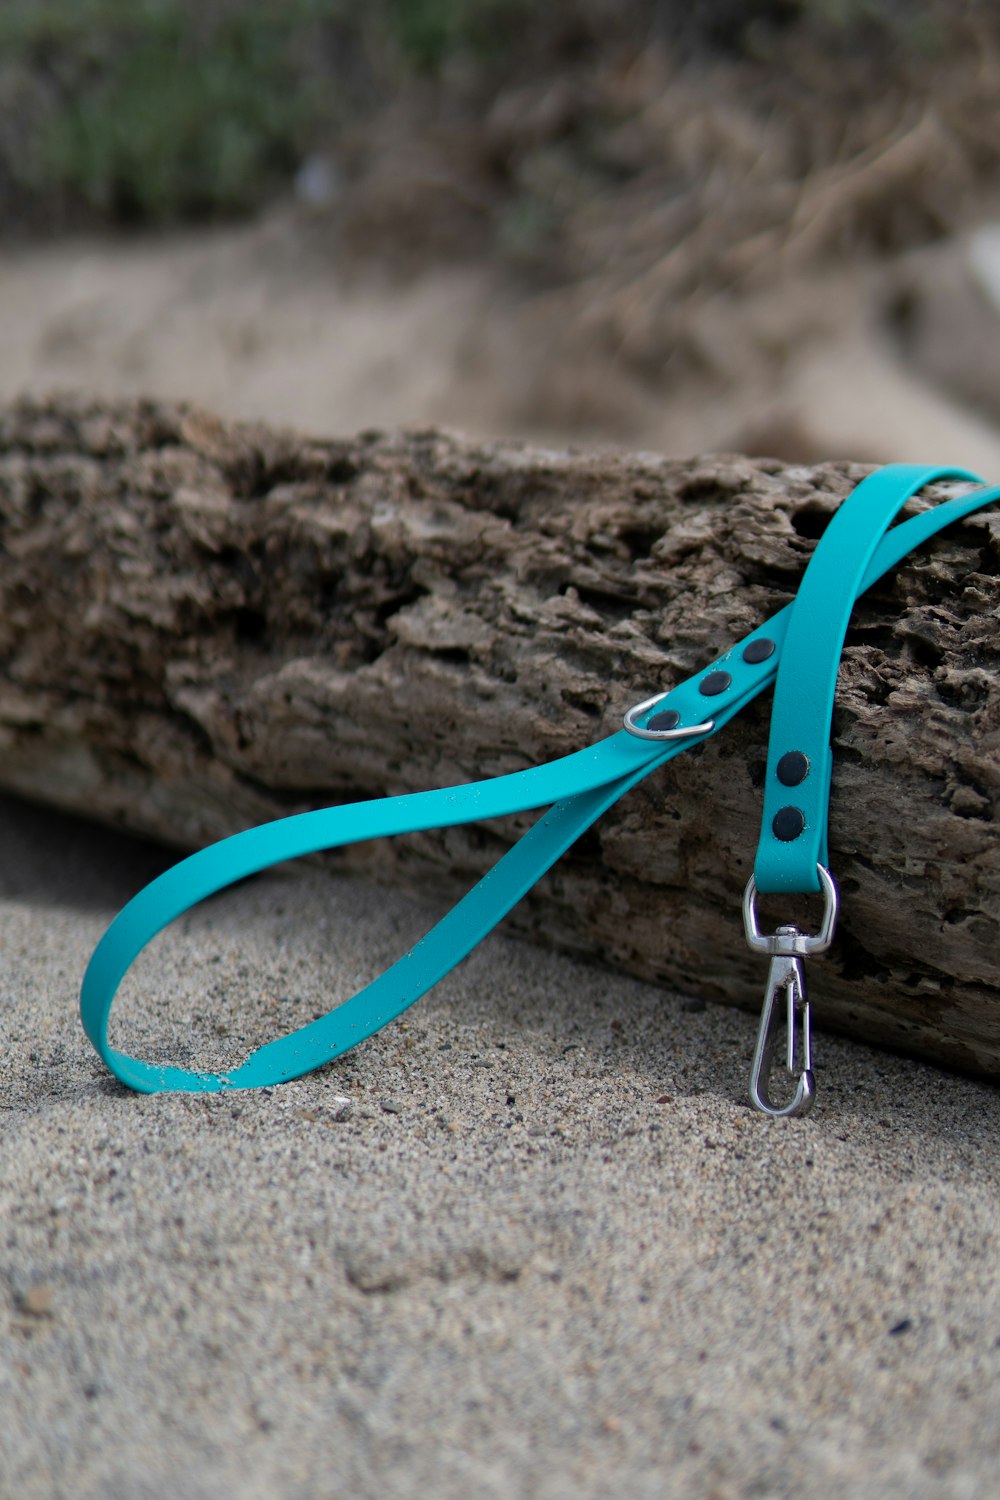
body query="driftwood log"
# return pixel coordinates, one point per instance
(204, 625)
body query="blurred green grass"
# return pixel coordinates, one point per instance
(149, 111)
(153, 111)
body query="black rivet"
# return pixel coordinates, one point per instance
(758, 650)
(669, 718)
(792, 768)
(788, 823)
(715, 682)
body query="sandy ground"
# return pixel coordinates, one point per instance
(258, 321)
(546, 1251)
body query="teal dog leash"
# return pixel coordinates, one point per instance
(798, 650)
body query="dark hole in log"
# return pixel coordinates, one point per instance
(810, 522)
(250, 624)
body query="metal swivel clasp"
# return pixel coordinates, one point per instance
(785, 980)
(786, 983)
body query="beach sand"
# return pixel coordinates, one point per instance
(546, 1250)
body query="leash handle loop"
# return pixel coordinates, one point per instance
(577, 790)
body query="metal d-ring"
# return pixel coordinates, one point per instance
(801, 943)
(679, 732)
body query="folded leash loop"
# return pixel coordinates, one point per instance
(792, 851)
(576, 790)
(793, 837)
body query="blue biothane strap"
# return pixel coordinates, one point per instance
(793, 836)
(576, 790)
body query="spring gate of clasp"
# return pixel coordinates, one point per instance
(787, 946)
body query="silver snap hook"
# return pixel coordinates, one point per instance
(787, 946)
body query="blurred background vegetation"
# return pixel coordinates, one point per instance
(645, 164)
(156, 111)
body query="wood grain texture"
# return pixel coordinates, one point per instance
(204, 625)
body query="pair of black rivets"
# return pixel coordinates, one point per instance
(791, 770)
(754, 651)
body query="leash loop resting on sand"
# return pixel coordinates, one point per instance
(575, 790)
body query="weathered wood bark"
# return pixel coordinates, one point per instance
(204, 625)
